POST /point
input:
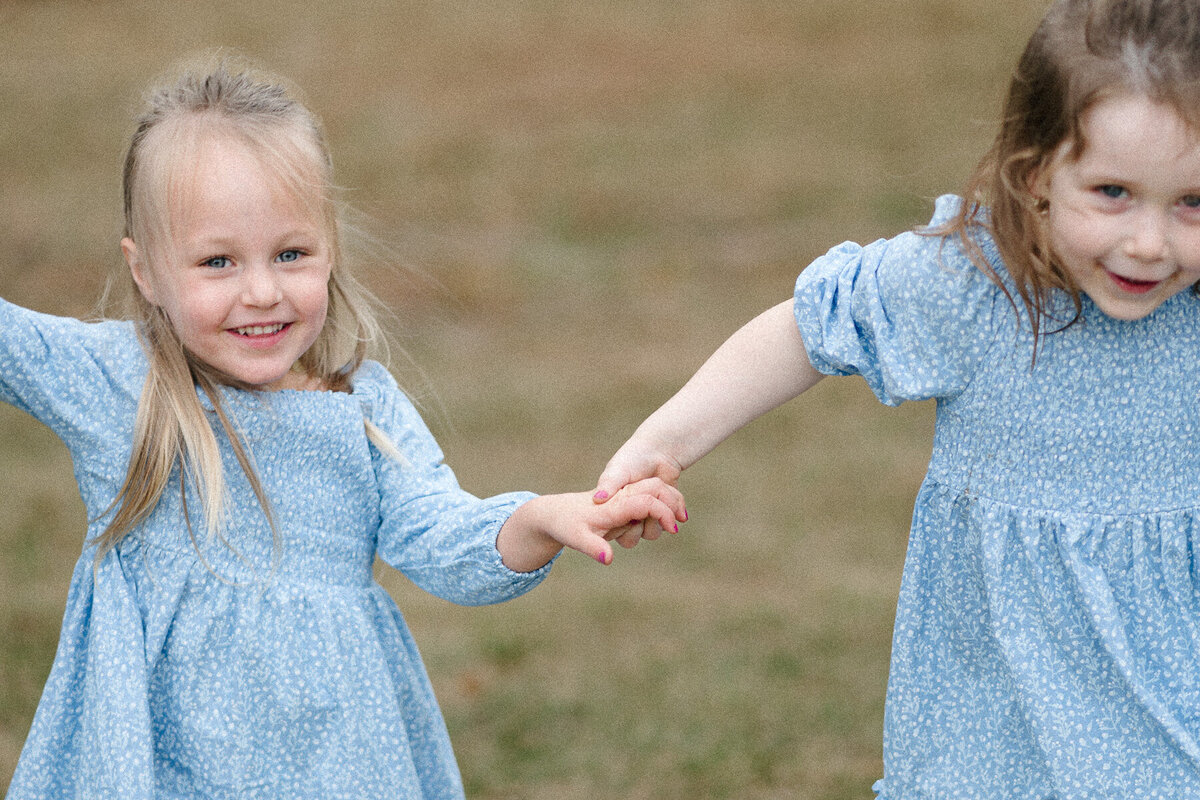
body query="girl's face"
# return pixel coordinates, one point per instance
(244, 280)
(1124, 217)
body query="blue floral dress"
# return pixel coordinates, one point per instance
(250, 667)
(1047, 637)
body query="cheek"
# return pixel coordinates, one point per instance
(319, 297)
(1188, 253)
(1075, 235)
(314, 302)
(190, 321)
(320, 314)
(194, 310)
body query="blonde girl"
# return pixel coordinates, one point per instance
(1047, 637)
(243, 465)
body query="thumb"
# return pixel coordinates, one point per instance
(611, 481)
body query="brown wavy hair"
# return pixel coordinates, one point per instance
(1082, 52)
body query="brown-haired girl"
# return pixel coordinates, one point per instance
(1047, 638)
(242, 465)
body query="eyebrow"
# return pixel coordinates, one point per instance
(314, 233)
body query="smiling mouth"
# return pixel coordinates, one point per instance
(260, 330)
(1132, 286)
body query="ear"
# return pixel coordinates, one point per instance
(1037, 182)
(137, 269)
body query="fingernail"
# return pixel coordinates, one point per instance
(600, 495)
(685, 515)
(676, 528)
(602, 558)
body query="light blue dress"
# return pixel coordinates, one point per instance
(1047, 637)
(233, 674)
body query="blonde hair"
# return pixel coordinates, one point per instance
(172, 430)
(1083, 51)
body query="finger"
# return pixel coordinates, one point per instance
(647, 528)
(645, 507)
(617, 472)
(594, 547)
(631, 535)
(627, 536)
(629, 465)
(663, 491)
(615, 533)
(611, 481)
(655, 510)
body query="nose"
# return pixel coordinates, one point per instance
(260, 287)
(1146, 240)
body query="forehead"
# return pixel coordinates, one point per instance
(1131, 132)
(219, 161)
(183, 153)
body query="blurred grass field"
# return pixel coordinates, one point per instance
(591, 196)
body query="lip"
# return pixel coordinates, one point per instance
(260, 339)
(1130, 285)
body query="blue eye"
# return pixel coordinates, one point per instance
(1190, 201)
(1112, 191)
(216, 262)
(288, 255)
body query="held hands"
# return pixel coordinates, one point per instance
(540, 528)
(632, 463)
(633, 466)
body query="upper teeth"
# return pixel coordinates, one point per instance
(259, 330)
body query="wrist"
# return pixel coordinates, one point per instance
(524, 542)
(663, 446)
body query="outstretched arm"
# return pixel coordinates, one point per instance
(540, 528)
(763, 365)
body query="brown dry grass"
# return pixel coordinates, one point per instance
(592, 196)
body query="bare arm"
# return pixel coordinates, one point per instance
(760, 367)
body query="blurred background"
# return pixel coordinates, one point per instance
(585, 199)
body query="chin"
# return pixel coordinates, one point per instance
(261, 382)
(1126, 313)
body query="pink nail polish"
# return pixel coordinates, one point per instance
(600, 495)
(602, 558)
(676, 528)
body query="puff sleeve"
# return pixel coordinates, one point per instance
(912, 314)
